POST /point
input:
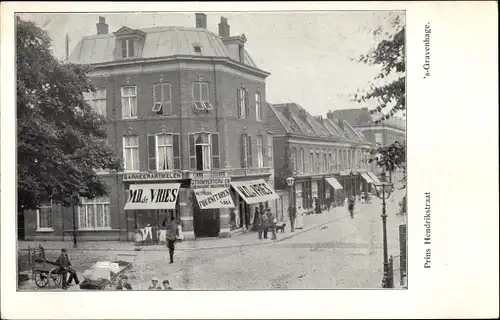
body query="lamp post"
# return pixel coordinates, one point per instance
(384, 191)
(291, 202)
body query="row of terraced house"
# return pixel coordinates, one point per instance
(200, 144)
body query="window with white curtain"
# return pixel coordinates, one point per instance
(270, 150)
(260, 152)
(97, 100)
(129, 102)
(94, 214)
(44, 217)
(258, 110)
(131, 153)
(165, 152)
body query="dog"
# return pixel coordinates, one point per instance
(282, 228)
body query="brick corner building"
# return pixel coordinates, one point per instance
(187, 116)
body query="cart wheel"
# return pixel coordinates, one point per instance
(41, 279)
(55, 277)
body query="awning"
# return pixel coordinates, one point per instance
(374, 178)
(334, 183)
(367, 177)
(213, 198)
(152, 196)
(254, 191)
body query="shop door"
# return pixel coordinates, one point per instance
(206, 222)
(20, 225)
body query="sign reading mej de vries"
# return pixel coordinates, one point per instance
(152, 196)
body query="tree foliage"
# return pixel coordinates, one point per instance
(388, 87)
(390, 157)
(61, 140)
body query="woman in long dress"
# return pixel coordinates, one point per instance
(299, 220)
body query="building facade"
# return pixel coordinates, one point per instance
(326, 157)
(188, 118)
(380, 134)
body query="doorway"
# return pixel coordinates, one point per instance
(206, 222)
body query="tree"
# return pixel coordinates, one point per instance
(391, 157)
(388, 87)
(61, 140)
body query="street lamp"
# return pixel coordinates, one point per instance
(291, 203)
(383, 191)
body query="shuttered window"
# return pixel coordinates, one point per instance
(177, 152)
(192, 152)
(152, 152)
(244, 152)
(215, 151)
(249, 156)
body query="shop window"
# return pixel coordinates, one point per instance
(97, 100)
(94, 214)
(44, 217)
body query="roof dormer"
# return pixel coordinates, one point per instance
(129, 43)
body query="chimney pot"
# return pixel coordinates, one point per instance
(223, 28)
(102, 27)
(201, 20)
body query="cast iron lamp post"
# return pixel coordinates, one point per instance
(291, 204)
(383, 191)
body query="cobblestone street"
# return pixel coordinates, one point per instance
(333, 251)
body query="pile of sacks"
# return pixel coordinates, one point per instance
(100, 273)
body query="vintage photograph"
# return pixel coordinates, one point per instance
(211, 150)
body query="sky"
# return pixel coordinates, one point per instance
(309, 54)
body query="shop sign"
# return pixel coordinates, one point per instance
(152, 196)
(254, 191)
(213, 198)
(145, 176)
(213, 182)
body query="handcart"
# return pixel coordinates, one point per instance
(43, 271)
(103, 284)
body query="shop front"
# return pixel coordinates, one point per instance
(249, 196)
(210, 206)
(366, 182)
(150, 206)
(335, 188)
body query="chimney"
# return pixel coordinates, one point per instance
(201, 20)
(286, 112)
(303, 115)
(329, 115)
(102, 27)
(223, 28)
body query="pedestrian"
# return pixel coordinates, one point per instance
(350, 206)
(66, 267)
(154, 284)
(272, 222)
(292, 214)
(258, 223)
(265, 224)
(171, 237)
(166, 285)
(123, 284)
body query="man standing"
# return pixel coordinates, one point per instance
(171, 237)
(292, 214)
(272, 222)
(258, 223)
(65, 264)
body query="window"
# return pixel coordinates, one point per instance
(378, 139)
(197, 49)
(294, 160)
(204, 151)
(270, 150)
(127, 48)
(325, 163)
(311, 162)
(97, 100)
(258, 110)
(165, 152)
(318, 160)
(241, 54)
(243, 108)
(201, 96)
(330, 162)
(129, 102)
(302, 166)
(44, 217)
(260, 152)
(131, 153)
(94, 214)
(246, 151)
(162, 98)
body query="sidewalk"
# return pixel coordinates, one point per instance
(244, 239)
